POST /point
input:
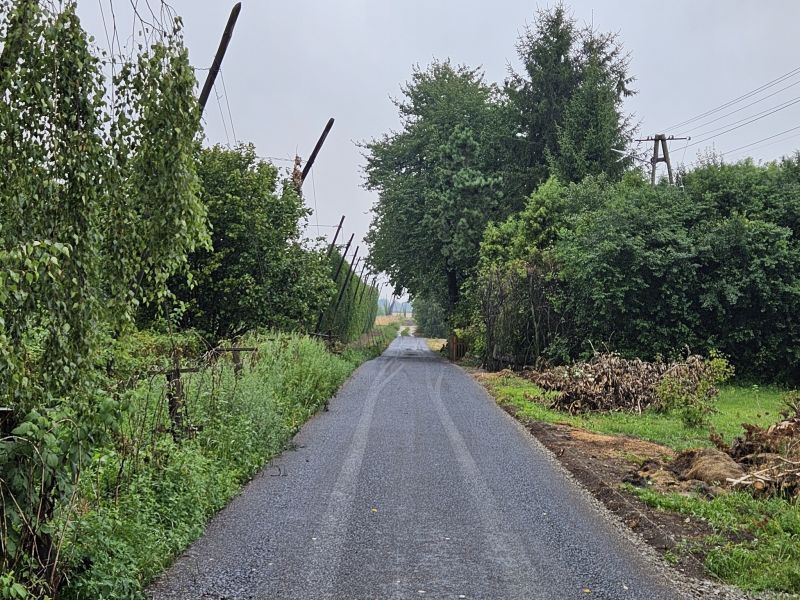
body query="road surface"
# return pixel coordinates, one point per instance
(414, 485)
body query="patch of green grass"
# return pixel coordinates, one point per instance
(735, 405)
(758, 543)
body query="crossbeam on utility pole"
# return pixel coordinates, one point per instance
(661, 140)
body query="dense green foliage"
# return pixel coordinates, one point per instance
(99, 207)
(256, 274)
(146, 496)
(564, 106)
(436, 189)
(469, 153)
(430, 318)
(106, 201)
(650, 271)
(353, 308)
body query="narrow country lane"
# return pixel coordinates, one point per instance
(414, 485)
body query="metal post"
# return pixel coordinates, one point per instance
(223, 46)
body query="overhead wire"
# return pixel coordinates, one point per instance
(230, 115)
(743, 124)
(763, 139)
(766, 112)
(688, 131)
(222, 115)
(738, 99)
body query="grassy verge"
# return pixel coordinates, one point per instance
(147, 496)
(756, 541)
(736, 405)
(757, 546)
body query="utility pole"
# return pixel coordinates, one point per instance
(661, 139)
(316, 150)
(223, 46)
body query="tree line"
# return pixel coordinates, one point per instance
(515, 209)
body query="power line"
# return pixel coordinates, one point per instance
(749, 94)
(752, 120)
(222, 116)
(762, 140)
(766, 112)
(230, 115)
(743, 107)
(776, 142)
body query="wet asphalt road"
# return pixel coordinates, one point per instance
(414, 485)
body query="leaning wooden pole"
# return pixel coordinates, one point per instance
(344, 287)
(335, 237)
(223, 47)
(315, 151)
(335, 279)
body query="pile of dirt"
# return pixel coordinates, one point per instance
(609, 382)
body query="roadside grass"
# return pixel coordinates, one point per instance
(146, 496)
(766, 555)
(735, 405)
(756, 541)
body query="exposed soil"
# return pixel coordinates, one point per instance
(602, 463)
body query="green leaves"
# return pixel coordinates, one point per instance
(99, 207)
(257, 275)
(437, 187)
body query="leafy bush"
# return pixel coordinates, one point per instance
(648, 272)
(692, 393)
(99, 207)
(146, 497)
(257, 275)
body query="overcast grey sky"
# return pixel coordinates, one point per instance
(292, 65)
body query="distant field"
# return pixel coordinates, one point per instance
(386, 319)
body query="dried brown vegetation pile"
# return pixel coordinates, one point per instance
(609, 382)
(770, 456)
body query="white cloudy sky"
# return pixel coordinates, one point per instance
(292, 65)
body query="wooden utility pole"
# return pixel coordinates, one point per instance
(316, 150)
(661, 139)
(223, 46)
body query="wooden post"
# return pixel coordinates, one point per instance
(223, 47)
(335, 237)
(344, 287)
(335, 279)
(316, 150)
(175, 395)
